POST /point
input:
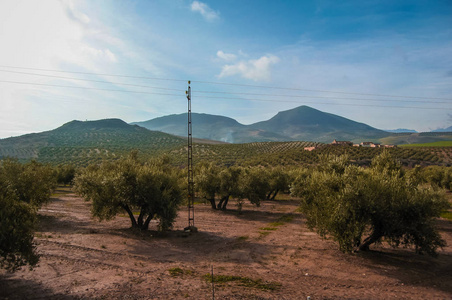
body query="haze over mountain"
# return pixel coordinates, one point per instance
(401, 130)
(448, 129)
(302, 123)
(212, 127)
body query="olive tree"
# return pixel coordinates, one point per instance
(278, 180)
(151, 190)
(359, 207)
(229, 185)
(253, 185)
(207, 182)
(23, 189)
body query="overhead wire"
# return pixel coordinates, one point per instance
(217, 92)
(92, 80)
(229, 84)
(222, 92)
(87, 88)
(226, 98)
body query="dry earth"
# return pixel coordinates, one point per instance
(84, 259)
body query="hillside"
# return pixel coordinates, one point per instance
(211, 127)
(83, 142)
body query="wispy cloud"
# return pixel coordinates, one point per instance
(208, 13)
(226, 56)
(254, 69)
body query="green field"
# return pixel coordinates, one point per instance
(434, 144)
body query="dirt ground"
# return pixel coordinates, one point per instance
(84, 259)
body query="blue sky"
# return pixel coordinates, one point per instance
(335, 56)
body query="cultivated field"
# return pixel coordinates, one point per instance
(263, 253)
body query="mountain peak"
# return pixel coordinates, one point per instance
(94, 125)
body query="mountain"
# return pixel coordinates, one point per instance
(308, 124)
(302, 124)
(85, 142)
(448, 129)
(401, 130)
(211, 127)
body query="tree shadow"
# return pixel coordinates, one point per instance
(412, 269)
(16, 288)
(255, 215)
(199, 247)
(60, 225)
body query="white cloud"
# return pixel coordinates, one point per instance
(226, 56)
(254, 69)
(208, 13)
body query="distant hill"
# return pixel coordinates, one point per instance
(448, 129)
(211, 127)
(83, 142)
(401, 130)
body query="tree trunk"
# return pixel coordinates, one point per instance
(131, 216)
(269, 194)
(225, 203)
(146, 223)
(212, 202)
(274, 195)
(374, 237)
(140, 218)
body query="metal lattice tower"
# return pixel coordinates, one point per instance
(191, 188)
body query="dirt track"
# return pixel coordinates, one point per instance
(84, 259)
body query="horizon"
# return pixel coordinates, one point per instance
(135, 122)
(387, 65)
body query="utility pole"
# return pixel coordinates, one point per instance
(191, 189)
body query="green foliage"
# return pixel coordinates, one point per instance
(31, 182)
(279, 180)
(254, 184)
(438, 176)
(65, 174)
(23, 189)
(433, 144)
(358, 207)
(207, 182)
(174, 272)
(17, 225)
(229, 185)
(446, 215)
(127, 184)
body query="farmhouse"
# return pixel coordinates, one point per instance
(342, 143)
(310, 148)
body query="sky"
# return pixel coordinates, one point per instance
(384, 63)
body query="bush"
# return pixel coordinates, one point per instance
(359, 207)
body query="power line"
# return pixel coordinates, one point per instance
(325, 103)
(320, 91)
(229, 84)
(226, 98)
(97, 74)
(92, 80)
(228, 93)
(87, 88)
(319, 97)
